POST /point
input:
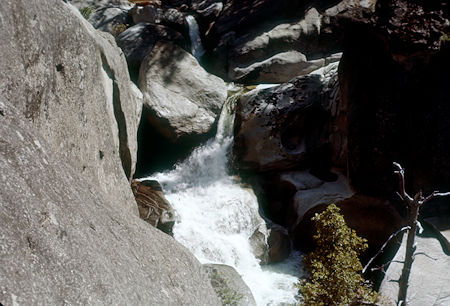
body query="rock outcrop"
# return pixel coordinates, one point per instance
(277, 128)
(153, 205)
(63, 240)
(71, 82)
(229, 285)
(398, 111)
(68, 120)
(250, 40)
(183, 99)
(138, 41)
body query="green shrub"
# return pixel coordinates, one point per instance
(118, 28)
(87, 11)
(334, 267)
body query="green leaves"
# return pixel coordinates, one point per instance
(334, 266)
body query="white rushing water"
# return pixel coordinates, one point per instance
(194, 34)
(216, 217)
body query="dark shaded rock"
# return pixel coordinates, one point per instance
(371, 218)
(309, 28)
(281, 127)
(99, 4)
(64, 240)
(110, 19)
(229, 286)
(398, 111)
(139, 40)
(153, 205)
(169, 17)
(306, 200)
(279, 244)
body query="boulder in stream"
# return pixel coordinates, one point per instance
(182, 98)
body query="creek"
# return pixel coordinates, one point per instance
(216, 216)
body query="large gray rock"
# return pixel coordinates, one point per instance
(182, 97)
(113, 20)
(64, 241)
(429, 278)
(138, 41)
(288, 125)
(229, 285)
(278, 69)
(71, 82)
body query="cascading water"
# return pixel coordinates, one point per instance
(194, 34)
(216, 216)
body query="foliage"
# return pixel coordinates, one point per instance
(445, 37)
(229, 297)
(87, 11)
(118, 28)
(334, 267)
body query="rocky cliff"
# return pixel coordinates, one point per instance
(68, 119)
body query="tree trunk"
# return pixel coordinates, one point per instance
(409, 254)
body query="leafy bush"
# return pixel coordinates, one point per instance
(87, 11)
(334, 266)
(118, 28)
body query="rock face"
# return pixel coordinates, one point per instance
(229, 285)
(139, 40)
(428, 281)
(72, 84)
(153, 205)
(63, 240)
(398, 111)
(277, 128)
(183, 99)
(250, 40)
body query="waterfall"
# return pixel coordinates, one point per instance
(194, 34)
(216, 216)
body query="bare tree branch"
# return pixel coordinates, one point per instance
(436, 194)
(384, 245)
(401, 176)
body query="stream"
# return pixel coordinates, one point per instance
(216, 216)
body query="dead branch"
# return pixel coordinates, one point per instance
(384, 245)
(414, 204)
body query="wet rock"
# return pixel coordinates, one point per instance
(64, 240)
(258, 243)
(153, 205)
(279, 244)
(138, 41)
(183, 99)
(229, 286)
(72, 83)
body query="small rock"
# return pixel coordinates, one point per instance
(153, 205)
